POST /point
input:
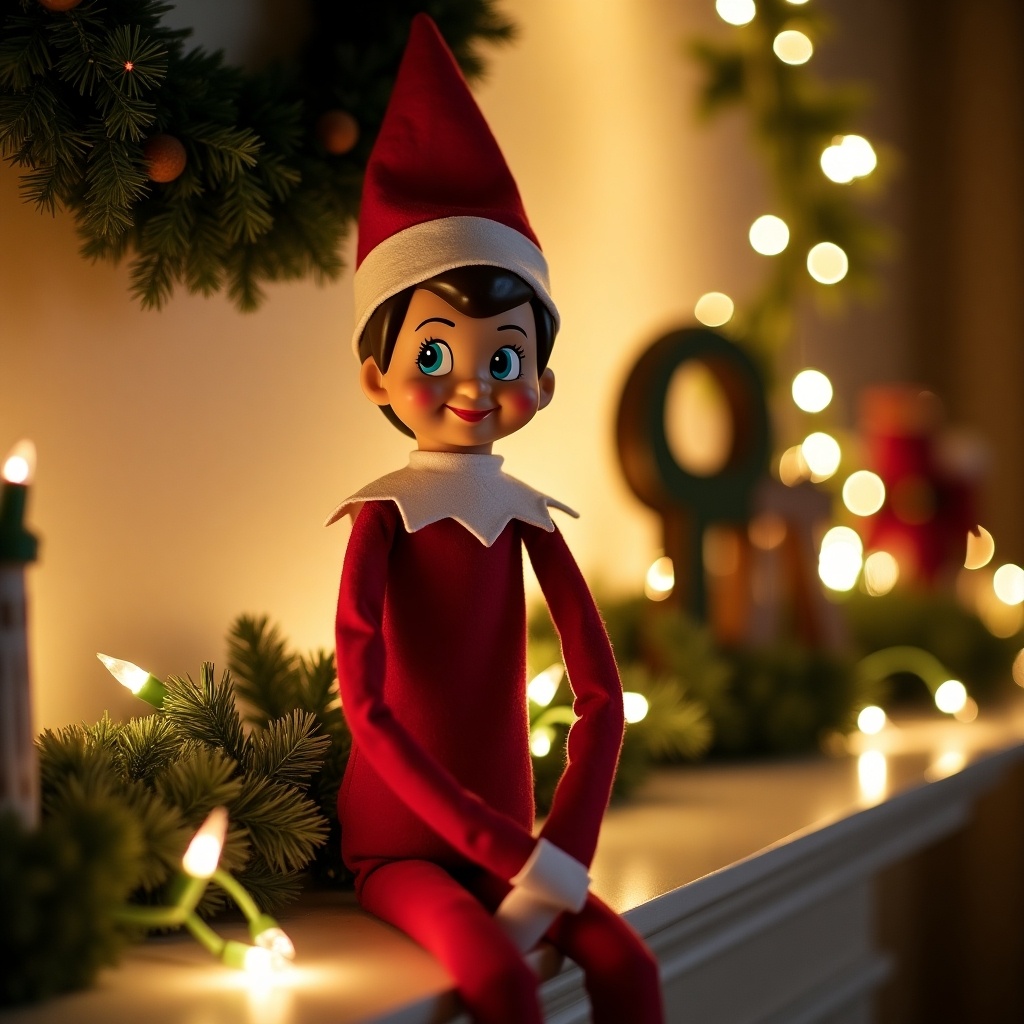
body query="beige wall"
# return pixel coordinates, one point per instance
(187, 458)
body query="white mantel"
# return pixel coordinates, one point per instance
(752, 882)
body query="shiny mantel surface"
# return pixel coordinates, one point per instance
(686, 828)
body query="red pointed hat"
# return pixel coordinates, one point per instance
(437, 192)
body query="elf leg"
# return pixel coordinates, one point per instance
(422, 899)
(621, 973)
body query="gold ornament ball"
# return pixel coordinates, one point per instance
(165, 157)
(59, 5)
(338, 131)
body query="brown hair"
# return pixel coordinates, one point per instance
(478, 291)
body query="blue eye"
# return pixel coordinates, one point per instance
(506, 363)
(435, 358)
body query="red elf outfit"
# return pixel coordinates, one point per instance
(437, 804)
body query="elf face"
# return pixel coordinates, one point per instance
(457, 382)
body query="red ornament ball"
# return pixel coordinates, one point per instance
(338, 131)
(165, 157)
(59, 5)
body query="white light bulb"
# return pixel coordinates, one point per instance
(127, 674)
(277, 941)
(203, 853)
(20, 464)
(836, 165)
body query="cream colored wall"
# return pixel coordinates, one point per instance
(187, 458)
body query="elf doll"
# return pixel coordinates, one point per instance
(454, 325)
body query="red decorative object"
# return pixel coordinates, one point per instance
(930, 501)
(338, 131)
(165, 157)
(59, 5)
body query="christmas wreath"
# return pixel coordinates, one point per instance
(202, 174)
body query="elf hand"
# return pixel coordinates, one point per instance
(549, 883)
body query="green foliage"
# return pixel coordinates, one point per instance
(938, 624)
(676, 726)
(793, 118)
(259, 199)
(57, 885)
(276, 682)
(704, 699)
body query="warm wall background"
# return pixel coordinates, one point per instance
(187, 458)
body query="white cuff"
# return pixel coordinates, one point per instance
(553, 877)
(525, 918)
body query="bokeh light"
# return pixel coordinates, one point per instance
(881, 573)
(792, 46)
(793, 468)
(1008, 583)
(827, 263)
(1018, 668)
(660, 579)
(980, 548)
(769, 235)
(951, 696)
(634, 706)
(863, 492)
(849, 157)
(812, 390)
(736, 12)
(822, 454)
(714, 309)
(542, 687)
(840, 559)
(871, 720)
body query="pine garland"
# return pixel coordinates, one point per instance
(263, 195)
(121, 802)
(793, 117)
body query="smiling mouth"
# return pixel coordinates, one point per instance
(471, 415)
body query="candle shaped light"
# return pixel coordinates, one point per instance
(143, 684)
(201, 859)
(19, 773)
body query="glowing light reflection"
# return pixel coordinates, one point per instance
(872, 775)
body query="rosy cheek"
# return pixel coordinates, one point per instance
(422, 396)
(523, 402)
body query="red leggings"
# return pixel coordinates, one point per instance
(495, 983)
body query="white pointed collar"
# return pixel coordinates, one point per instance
(471, 489)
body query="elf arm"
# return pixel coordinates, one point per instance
(595, 739)
(478, 831)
